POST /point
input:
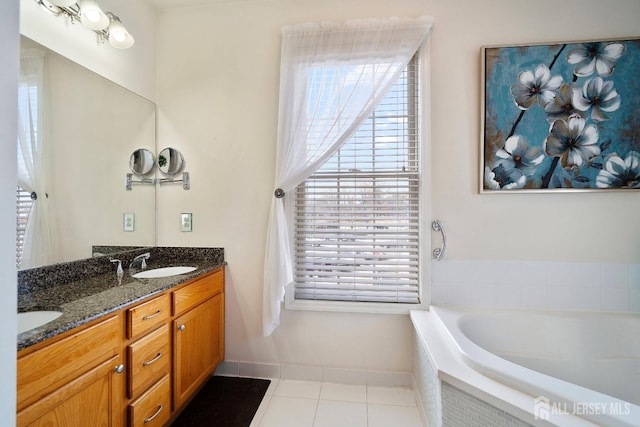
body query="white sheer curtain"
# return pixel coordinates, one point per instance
(37, 239)
(331, 79)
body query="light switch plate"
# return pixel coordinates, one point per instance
(186, 222)
(128, 222)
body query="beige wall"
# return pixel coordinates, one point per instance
(538, 227)
(218, 99)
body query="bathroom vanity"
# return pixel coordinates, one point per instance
(135, 356)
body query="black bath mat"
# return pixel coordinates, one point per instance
(224, 402)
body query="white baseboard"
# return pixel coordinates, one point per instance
(315, 373)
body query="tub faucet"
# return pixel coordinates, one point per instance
(143, 257)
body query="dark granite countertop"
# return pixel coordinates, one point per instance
(87, 298)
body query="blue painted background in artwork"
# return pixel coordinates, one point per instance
(622, 129)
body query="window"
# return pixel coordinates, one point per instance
(356, 226)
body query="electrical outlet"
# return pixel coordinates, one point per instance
(186, 222)
(128, 221)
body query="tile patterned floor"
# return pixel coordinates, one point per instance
(289, 403)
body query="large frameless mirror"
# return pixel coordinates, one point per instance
(87, 127)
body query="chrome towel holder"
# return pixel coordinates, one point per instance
(438, 253)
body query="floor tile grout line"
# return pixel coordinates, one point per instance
(315, 414)
(318, 400)
(366, 398)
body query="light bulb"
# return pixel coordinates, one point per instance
(91, 16)
(119, 37)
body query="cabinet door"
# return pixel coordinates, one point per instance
(199, 346)
(86, 401)
(46, 370)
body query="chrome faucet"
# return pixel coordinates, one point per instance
(144, 257)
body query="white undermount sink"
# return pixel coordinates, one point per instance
(32, 319)
(163, 272)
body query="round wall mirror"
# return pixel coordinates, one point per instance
(141, 162)
(170, 161)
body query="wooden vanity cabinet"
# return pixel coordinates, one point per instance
(135, 367)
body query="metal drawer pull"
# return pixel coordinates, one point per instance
(151, 316)
(148, 420)
(155, 359)
(118, 369)
(181, 328)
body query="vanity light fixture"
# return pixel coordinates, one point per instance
(105, 24)
(119, 37)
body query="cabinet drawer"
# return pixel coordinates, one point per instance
(153, 407)
(146, 316)
(149, 360)
(198, 292)
(48, 369)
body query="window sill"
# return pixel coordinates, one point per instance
(352, 307)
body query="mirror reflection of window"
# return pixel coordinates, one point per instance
(31, 143)
(23, 208)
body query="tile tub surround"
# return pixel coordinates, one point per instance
(87, 289)
(540, 285)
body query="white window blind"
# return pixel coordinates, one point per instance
(24, 203)
(357, 218)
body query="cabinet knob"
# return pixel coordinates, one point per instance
(118, 369)
(181, 328)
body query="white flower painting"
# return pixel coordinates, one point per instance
(561, 116)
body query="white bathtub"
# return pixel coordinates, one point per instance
(581, 365)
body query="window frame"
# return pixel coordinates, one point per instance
(424, 270)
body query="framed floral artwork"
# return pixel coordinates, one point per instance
(562, 116)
